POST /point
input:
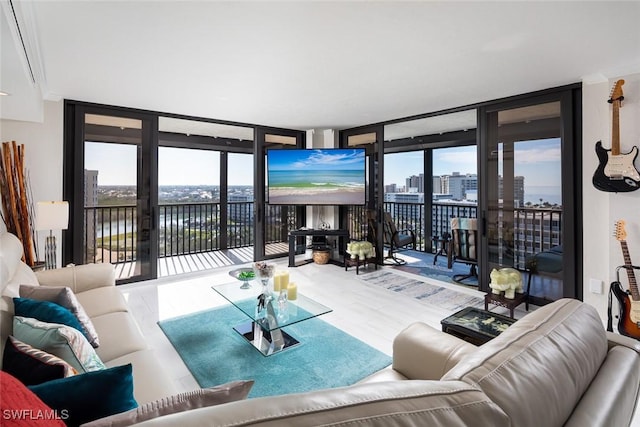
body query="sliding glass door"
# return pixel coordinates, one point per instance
(113, 220)
(527, 207)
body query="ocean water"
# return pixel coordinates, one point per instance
(316, 178)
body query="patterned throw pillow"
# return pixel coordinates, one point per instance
(65, 297)
(230, 392)
(63, 341)
(31, 365)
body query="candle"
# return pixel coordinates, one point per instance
(292, 291)
(276, 282)
(284, 279)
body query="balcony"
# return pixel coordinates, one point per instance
(199, 236)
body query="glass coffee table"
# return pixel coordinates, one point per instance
(263, 329)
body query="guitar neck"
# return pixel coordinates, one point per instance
(615, 129)
(633, 285)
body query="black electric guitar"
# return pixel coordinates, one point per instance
(616, 172)
(629, 321)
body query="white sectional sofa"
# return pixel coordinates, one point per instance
(121, 341)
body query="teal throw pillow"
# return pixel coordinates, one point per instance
(89, 396)
(46, 311)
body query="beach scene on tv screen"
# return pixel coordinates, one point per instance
(321, 176)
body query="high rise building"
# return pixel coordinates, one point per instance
(90, 188)
(518, 190)
(459, 184)
(415, 184)
(90, 201)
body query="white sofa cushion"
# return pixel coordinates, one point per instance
(119, 335)
(99, 301)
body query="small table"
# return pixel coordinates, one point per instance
(475, 325)
(509, 303)
(357, 261)
(441, 244)
(264, 330)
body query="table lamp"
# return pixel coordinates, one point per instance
(51, 216)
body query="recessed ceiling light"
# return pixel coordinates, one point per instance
(3, 93)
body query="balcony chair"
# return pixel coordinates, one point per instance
(396, 239)
(463, 246)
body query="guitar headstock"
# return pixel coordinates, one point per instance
(620, 232)
(616, 92)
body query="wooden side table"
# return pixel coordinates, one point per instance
(357, 262)
(501, 301)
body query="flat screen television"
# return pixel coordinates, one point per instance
(324, 176)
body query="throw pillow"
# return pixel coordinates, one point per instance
(87, 397)
(67, 343)
(64, 296)
(20, 407)
(45, 311)
(230, 392)
(32, 366)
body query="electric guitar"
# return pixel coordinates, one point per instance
(616, 172)
(629, 321)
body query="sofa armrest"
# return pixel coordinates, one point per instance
(421, 352)
(614, 339)
(79, 278)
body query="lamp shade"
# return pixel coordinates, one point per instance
(52, 215)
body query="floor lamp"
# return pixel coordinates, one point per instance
(51, 216)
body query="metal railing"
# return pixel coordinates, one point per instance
(110, 231)
(535, 229)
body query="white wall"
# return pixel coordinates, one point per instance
(602, 253)
(43, 158)
(43, 142)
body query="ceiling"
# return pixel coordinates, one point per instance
(306, 65)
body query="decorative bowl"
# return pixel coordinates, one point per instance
(245, 275)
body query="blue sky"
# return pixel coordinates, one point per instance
(538, 161)
(328, 159)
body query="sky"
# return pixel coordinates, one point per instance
(538, 161)
(325, 159)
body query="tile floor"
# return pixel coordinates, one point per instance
(371, 314)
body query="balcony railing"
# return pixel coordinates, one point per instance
(191, 228)
(535, 229)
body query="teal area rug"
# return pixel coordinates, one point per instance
(215, 354)
(433, 295)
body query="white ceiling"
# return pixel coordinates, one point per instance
(309, 64)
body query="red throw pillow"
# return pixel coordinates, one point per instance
(20, 407)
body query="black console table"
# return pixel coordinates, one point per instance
(343, 236)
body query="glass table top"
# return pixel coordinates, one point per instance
(246, 300)
(479, 321)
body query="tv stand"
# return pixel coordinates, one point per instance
(343, 236)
